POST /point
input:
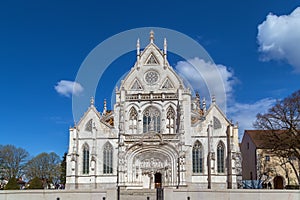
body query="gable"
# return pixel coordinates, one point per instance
(151, 60)
(167, 84)
(91, 120)
(136, 85)
(151, 72)
(218, 120)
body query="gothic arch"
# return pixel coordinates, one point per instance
(151, 119)
(132, 113)
(89, 125)
(171, 120)
(133, 104)
(133, 119)
(164, 161)
(197, 157)
(220, 157)
(145, 104)
(216, 123)
(107, 158)
(85, 158)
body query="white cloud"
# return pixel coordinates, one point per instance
(68, 88)
(202, 76)
(209, 78)
(245, 114)
(279, 38)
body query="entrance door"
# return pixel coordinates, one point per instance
(157, 180)
(278, 182)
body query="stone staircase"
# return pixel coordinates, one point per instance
(137, 194)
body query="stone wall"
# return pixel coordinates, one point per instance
(182, 194)
(57, 195)
(169, 194)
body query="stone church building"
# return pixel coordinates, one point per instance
(157, 135)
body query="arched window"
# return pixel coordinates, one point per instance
(151, 120)
(216, 122)
(107, 159)
(220, 158)
(170, 120)
(197, 158)
(86, 159)
(89, 126)
(133, 120)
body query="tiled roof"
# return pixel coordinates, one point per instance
(267, 139)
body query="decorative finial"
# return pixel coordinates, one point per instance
(92, 101)
(213, 99)
(165, 46)
(104, 107)
(197, 95)
(138, 47)
(138, 53)
(151, 36)
(204, 105)
(198, 100)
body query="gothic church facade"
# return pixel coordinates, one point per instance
(158, 135)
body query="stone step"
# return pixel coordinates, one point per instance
(138, 194)
(138, 191)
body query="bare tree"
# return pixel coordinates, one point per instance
(282, 122)
(44, 166)
(12, 161)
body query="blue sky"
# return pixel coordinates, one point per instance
(45, 42)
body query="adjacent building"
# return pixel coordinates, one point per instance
(157, 135)
(260, 162)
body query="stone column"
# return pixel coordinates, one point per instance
(209, 155)
(229, 158)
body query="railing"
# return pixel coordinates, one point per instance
(147, 97)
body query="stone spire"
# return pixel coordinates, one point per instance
(165, 46)
(138, 52)
(92, 101)
(204, 105)
(165, 52)
(151, 36)
(213, 99)
(198, 100)
(138, 47)
(104, 107)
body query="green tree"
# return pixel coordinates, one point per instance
(63, 168)
(12, 184)
(36, 183)
(12, 160)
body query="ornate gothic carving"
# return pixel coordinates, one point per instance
(216, 123)
(171, 120)
(167, 84)
(133, 120)
(89, 126)
(151, 120)
(136, 85)
(152, 163)
(152, 60)
(151, 77)
(152, 96)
